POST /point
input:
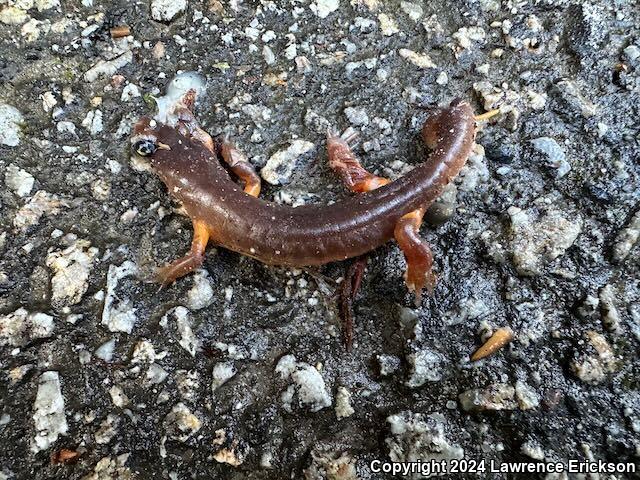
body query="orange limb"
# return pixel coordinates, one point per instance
(417, 252)
(241, 167)
(346, 165)
(191, 261)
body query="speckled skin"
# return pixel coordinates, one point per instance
(309, 234)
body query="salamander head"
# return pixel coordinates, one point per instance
(161, 146)
(163, 139)
(147, 138)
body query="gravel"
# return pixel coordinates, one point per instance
(239, 370)
(553, 153)
(49, 414)
(18, 180)
(10, 121)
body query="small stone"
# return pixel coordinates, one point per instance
(489, 5)
(388, 25)
(268, 55)
(442, 78)
(108, 430)
(371, 145)
(632, 53)
(13, 16)
(303, 65)
(201, 294)
(291, 51)
(389, 364)
(316, 122)
(187, 340)
(465, 36)
(180, 423)
(421, 60)
(593, 369)
(39, 204)
(537, 101)
(111, 468)
(425, 367)
(538, 242)
(307, 383)
(43, 5)
(66, 127)
(188, 382)
(222, 372)
(129, 92)
(156, 374)
(343, 403)
(71, 268)
(444, 207)
(526, 396)
(357, 116)
(573, 102)
(21, 327)
(418, 437)
(93, 122)
(48, 101)
(322, 8)
(158, 51)
(483, 69)
(553, 153)
(268, 36)
(499, 396)
(118, 314)
(532, 449)
(167, 10)
(627, 238)
(23, 4)
(105, 351)
(118, 396)
(382, 74)
(414, 10)
(281, 164)
(231, 455)
(19, 181)
(329, 464)
(143, 352)
(11, 121)
(49, 416)
(107, 68)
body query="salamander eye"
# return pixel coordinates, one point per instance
(144, 148)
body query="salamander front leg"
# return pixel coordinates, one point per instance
(346, 165)
(192, 260)
(417, 254)
(241, 166)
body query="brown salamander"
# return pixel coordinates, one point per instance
(187, 160)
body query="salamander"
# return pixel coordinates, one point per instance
(189, 162)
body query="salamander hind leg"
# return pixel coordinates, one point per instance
(417, 254)
(343, 161)
(241, 167)
(188, 263)
(348, 292)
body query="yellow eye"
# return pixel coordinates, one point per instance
(145, 148)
